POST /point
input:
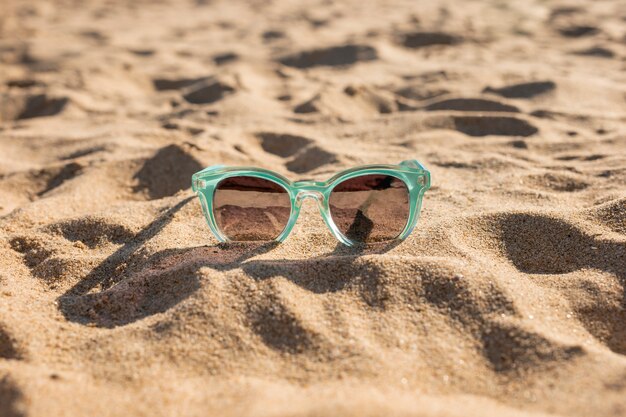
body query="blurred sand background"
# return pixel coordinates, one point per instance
(508, 299)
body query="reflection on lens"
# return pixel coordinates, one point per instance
(370, 208)
(250, 208)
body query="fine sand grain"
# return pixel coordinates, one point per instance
(509, 299)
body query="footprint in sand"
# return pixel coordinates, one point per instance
(44, 263)
(330, 57)
(572, 22)
(585, 158)
(225, 58)
(164, 84)
(304, 155)
(92, 231)
(282, 327)
(310, 159)
(416, 40)
(470, 105)
(485, 125)
(28, 106)
(578, 31)
(596, 51)
(611, 215)
(95, 36)
(8, 345)
(282, 144)
(167, 172)
(523, 90)
(11, 397)
(24, 83)
(84, 152)
(272, 35)
(142, 52)
(351, 102)
(55, 177)
(134, 297)
(206, 92)
(421, 92)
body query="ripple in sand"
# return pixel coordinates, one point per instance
(330, 57)
(280, 325)
(510, 347)
(539, 244)
(225, 58)
(611, 215)
(557, 182)
(598, 305)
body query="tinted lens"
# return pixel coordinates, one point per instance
(249, 208)
(370, 208)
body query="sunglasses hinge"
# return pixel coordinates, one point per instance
(198, 184)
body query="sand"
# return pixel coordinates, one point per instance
(508, 299)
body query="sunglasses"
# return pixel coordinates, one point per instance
(370, 203)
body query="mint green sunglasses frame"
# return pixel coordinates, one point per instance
(411, 172)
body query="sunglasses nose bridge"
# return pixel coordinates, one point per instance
(308, 191)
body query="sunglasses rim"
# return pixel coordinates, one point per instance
(330, 193)
(414, 175)
(217, 184)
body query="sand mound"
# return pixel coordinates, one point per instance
(507, 299)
